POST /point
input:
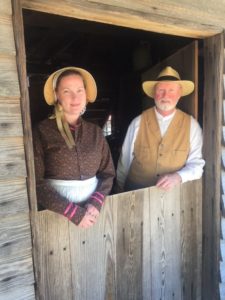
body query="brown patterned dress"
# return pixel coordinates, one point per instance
(54, 160)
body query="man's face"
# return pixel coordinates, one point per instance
(167, 94)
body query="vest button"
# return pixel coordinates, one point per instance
(160, 154)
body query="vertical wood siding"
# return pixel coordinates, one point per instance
(146, 245)
(222, 240)
(212, 132)
(16, 265)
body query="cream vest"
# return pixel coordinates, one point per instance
(154, 155)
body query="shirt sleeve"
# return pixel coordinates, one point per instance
(47, 197)
(126, 156)
(193, 168)
(105, 176)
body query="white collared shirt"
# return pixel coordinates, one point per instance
(193, 168)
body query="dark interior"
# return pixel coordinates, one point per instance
(115, 56)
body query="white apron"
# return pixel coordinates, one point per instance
(75, 190)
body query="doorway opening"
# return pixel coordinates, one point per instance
(115, 56)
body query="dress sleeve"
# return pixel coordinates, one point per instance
(47, 197)
(105, 175)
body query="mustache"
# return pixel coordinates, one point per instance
(165, 100)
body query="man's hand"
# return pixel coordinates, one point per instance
(90, 217)
(168, 181)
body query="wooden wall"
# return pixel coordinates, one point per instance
(146, 245)
(222, 239)
(183, 18)
(16, 266)
(212, 133)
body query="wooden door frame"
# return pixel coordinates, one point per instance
(211, 186)
(212, 134)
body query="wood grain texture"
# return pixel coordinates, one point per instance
(212, 135)
(9, 85)
(53, 269)
(165, 244)
(222, 249)
(129, 243)
(19, 293)
(93, 257)
(25, 102)
(222, 291)
(191, 252)
(10, 118)
(157, 17)
(15, 253)
(7, 44)
(145, 245)
(5, 8)
(12, 160)
(13, 198)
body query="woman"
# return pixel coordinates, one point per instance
(74, 168)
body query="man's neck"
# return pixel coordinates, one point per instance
(165, 113)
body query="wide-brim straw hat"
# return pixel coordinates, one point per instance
(90, 85)
(168, 74)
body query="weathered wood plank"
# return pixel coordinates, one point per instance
(15, 253)
(223, 110)
(13, 197)
(9, 85)
(200, 12)
(53, 265)
(12, 160)
(25, 106)
(5, 7)
(7, 44)
(222, 271)
(223, 200)
(223, 227)
(128, 16)
(222, 249)
(223, 134)
(10, 119)
(138, 233)
(129, 243)
(212, 133)
(222, 291)
(19, 293)
(146, 256)
(191, 211)
(96, 251)
(165, 242)
(15, 238)
(16, 273)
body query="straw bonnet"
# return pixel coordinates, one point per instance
(90, 85)
(168, 74)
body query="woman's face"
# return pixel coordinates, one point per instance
(71, 94)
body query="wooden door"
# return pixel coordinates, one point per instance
(185, 61)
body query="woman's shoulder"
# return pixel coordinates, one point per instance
(45, 126)
(46, 123)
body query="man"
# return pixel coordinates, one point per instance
(163, 146)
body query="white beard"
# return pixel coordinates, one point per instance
(165, 106)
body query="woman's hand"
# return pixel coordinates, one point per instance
(90, 217)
